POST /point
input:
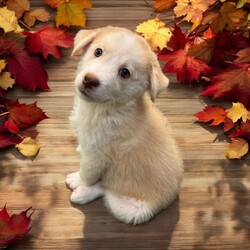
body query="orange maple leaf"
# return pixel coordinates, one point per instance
(192, 9)
(161, 5)
(217, 115)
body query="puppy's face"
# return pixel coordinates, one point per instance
(117, 66)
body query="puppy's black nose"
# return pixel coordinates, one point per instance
(90, 81)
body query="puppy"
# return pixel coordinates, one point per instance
(128, 154)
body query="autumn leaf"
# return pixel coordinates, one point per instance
(28, 71)
(178, 40)
(192, 9)
(14, 118)
(2, 65)
(19, 6)
(155, 32)
(28, 147)
(238, 111)
(7, 140)
(217, 51)
(217, 115)
(83, 4)
(70, 12)
(208, 34)
(228, 18)
(241, 3)
(54, 3)
(161, 5)
(232, 84)
(237, 148)
(187, 68)
(25, 115)
(33, 133)
(243, 131)
(47, 40)
(11, 126)
(6, 81)
(39, 14)
(14, 227)
(243, 56)
(203, 50)
(8, 20)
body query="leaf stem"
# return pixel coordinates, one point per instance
(25, 25)
(5, 113)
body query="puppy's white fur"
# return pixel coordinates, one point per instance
(128, 154)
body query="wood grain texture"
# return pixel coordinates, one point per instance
(213, 209)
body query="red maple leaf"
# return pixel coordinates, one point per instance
(7, 140)
(224, 50)
(233, 84)
(47, 40)
(11, 126)
(13, 227)
(27, 70)
(243, 131)
(217, 115)
(178, 39)
(25, 115)
(187, 68)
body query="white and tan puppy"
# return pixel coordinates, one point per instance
(128, 154)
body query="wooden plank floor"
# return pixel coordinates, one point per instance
(213, 209)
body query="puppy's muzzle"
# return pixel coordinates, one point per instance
(90, 81)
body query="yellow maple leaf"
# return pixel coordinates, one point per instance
(8, 20)
(70, 14)
(6, 81)
(2, 65)
(28, 147)
(155, 32)
(238, 111)
(237, 148)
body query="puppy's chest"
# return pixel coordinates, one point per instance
(97, 135)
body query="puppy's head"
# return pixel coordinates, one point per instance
(117, 65)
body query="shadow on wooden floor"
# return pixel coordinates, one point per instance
(101, 229)
(213, 223)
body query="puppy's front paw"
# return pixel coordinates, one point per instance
(84, 194)
(73, 180)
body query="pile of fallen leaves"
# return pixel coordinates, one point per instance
(23, 50)
(214, 52)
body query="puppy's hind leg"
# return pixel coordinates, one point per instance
(128, 209)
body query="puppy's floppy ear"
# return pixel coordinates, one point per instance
(82, 38)
(158, 81)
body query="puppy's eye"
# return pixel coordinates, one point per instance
(124, 73)
(98, 52)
